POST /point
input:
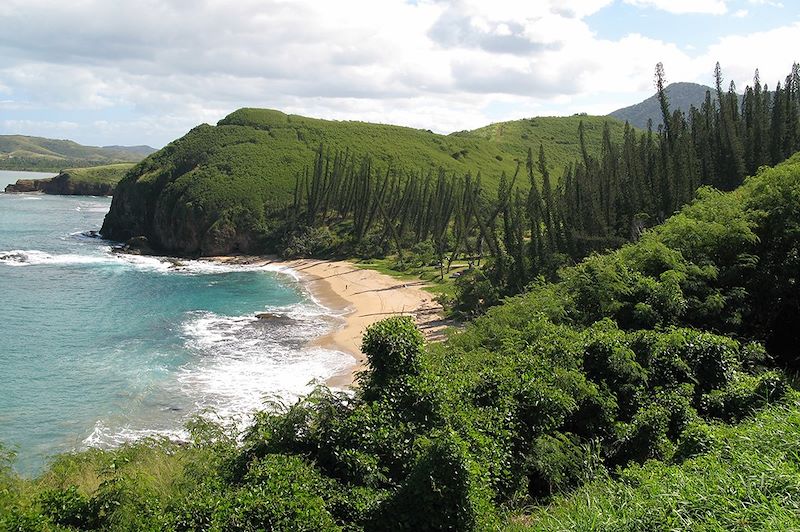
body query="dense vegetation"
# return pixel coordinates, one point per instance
(18, 152)
(222, 189)
(615, 381)
(109, 174)
(529, 224)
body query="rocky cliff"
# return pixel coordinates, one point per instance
(95, 181)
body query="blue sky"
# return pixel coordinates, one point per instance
(690, 30)
(146, 71)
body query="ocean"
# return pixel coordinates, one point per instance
(99, 348)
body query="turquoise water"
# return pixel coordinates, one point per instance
(99, 348)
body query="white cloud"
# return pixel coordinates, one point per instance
(740, 55)
(713, 7)
(766, 3)
(741, 13)
(149, 70)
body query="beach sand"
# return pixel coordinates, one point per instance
(364, 297)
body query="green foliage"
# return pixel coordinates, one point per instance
(254, 160)
(68, 507)
(279, 493)
(311, 242)
(393, 348)
(748, 478)
(445, 490)
(743, 396)
(605, 400)
(110, 174)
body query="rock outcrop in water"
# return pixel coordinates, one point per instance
(26, 185)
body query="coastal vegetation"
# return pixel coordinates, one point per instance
(628, 365)
(91, 181)
(20, 152)
(262, 181)
(617, 396)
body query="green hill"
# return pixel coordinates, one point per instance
(215, 189)
(19, 152)
(757, 461)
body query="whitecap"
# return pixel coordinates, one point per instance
(31, 257)
(240, 362)
(105, 437)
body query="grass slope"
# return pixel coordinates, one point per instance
(109, 174)
(216, 178)
(558, 135)
(19, 152)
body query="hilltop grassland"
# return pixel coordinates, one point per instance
(220, 188)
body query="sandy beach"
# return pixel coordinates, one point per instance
(365, 297)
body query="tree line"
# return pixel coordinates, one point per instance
(534, 224)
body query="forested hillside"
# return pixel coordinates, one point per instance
(636, 373)
(19, 152)
(262, 181)
(530, 223)
(221, 189)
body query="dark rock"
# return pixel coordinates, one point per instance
(274, 317)
(27, 185)
(138, 245)
(62, 184)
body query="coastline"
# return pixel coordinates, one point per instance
(363, 297)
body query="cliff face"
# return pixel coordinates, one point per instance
(185, 201)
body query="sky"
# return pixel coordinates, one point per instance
(105, 72)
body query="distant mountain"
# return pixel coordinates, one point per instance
(681, 96)
(20, 152)
(142, 151)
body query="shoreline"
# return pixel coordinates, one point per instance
(363, 297)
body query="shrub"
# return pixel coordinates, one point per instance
(279, 493)
(68, 507)
(742, 396)
(697, 439)
(558, 463)
(645, 437)
(311, 242)
(393, 348)
(446, 490)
